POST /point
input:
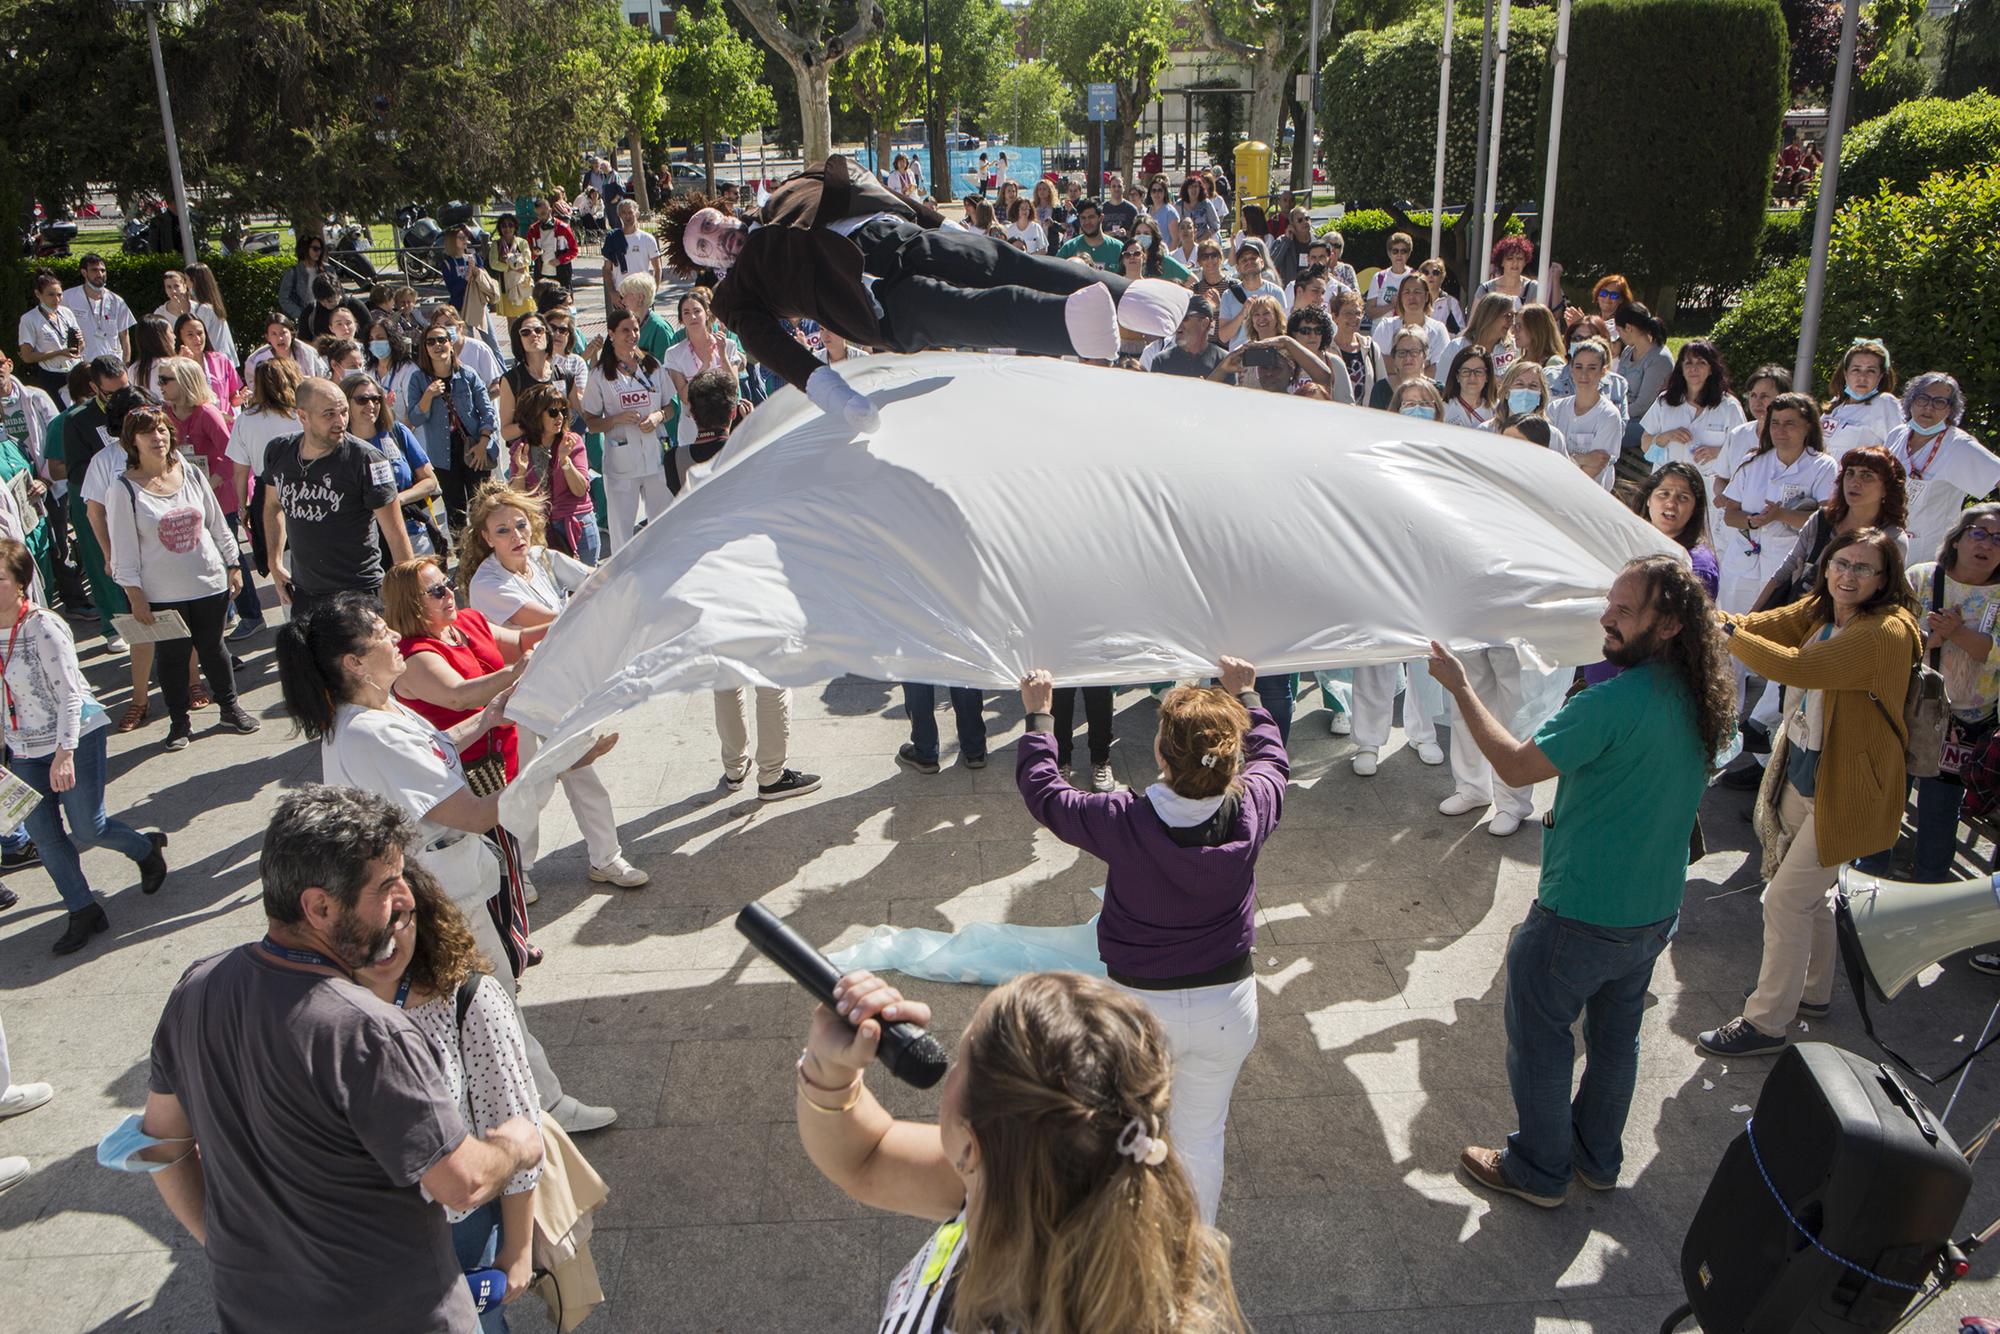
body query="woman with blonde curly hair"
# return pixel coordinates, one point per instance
(1055, 1168)
(1179, 894)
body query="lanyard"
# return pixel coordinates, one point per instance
(403, 992)
(311, 958)
(20, 615)
(1917, 470)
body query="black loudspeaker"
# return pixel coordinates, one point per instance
(1862, 1165)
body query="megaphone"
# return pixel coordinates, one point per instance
(1897, 929)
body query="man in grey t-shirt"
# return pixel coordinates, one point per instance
(327, 1132)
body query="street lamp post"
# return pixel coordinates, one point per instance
(186, 227)
(1829, 182)
(1444, 107)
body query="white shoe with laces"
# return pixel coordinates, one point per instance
(529, 894)
(1102, 779)
(619, 872)
(1341, 723)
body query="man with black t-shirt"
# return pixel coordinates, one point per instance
(1120, 216)
(1193, 354)
(325, 495)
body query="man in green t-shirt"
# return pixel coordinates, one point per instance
(1631, 757)
(1090, 239)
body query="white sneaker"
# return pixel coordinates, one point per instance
(578, 1117)
(116, 644)
(1341, 723)
(1102, 779)
(1364, 762)
(1460, 804)
(13, 1171)
(529, 894)
(619, 872)
(1430, 752)
(1503, 823)
(24, 1098)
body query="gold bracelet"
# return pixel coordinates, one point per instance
(853, 1096)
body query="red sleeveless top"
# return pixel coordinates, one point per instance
(478, 656)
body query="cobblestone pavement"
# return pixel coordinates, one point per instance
(1383, 928)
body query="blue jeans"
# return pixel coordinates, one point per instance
(476, 1239)
(920, 702)
(1558, 968)
(589, 541)
(1277, 693)
(248, 605)
(88, 822)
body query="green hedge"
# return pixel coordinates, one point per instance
(1669, 142)
(1787, 234)
(1913, 270)
(1366, 232)
(1379, 96)
(249, 282)
(1908, 144)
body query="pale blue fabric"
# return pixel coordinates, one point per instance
(984, 952)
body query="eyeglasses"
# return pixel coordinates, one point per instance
(441, 592)
(437, 340)
(1920, 401)
(1986, 535)
(556, 414)
(1609, 294)
(1855, 569)
(527, 329)
(367, 398)
(1399, 250)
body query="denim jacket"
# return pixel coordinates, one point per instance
(475, 413)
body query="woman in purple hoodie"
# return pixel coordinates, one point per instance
(1180, 889)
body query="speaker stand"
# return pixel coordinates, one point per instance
(1984, 1033)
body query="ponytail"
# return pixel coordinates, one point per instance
(309, 651)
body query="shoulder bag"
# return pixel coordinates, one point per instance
(1926, 711)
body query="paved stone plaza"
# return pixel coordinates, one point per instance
(1383, 931)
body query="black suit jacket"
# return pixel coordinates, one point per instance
(792, 267)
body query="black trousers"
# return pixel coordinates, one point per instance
(961, 289)
(458, 485)
(1097, 717)
(204, 617)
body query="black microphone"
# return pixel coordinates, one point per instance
(911, 1054)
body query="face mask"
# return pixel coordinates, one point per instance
(1419, 411)
(378, 347)
(454, 336)
(1859, 398)
(1927, 431)
(119, 1149)
(1656, 455)
(1523, 400)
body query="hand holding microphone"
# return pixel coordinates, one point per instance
(861, 1017)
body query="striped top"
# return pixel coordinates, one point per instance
(920, 1299)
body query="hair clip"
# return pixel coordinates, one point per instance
(1208, 761)
(1141, 1147)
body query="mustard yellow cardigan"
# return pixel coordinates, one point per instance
(1858, 806)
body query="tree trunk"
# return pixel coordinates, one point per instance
(884, 148)
(708, 155)
(815, 108)
(1302, 149)
(640, 195)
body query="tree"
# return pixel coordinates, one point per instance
(884, 80)
(1119, 42)
(797, 31)
(308, 107)
(1271, 38)
(972, 43)
(1026, 101)
(1813, 28)
(713, 83)
(639, 73)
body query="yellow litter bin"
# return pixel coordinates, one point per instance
(1253, 175)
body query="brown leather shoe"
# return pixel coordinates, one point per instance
(135, 716)
(1482, 1167)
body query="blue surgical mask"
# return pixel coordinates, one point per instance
(454, 334)
(119, 1150)
(1927, 431)
(1859, 398)
(1523, 400)
(1656, 455)
(378, 348)
(1421, 411)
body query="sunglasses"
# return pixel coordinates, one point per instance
(441, 592)
(527, 329)
(1607, 294)
(1986, 535)
(439, 341)
(368, 398)
(556, 414)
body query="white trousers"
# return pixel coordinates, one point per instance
(487, 937)
(621, 504)
(1375, 691)
(589, 801)
(6, 1070)
(774, 731)
(1210, 1031)
(1495, 676)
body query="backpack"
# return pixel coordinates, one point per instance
(1926, 712)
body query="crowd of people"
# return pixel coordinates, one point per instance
(425, 483)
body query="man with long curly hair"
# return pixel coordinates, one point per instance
(884, 271)
(1631, 756)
